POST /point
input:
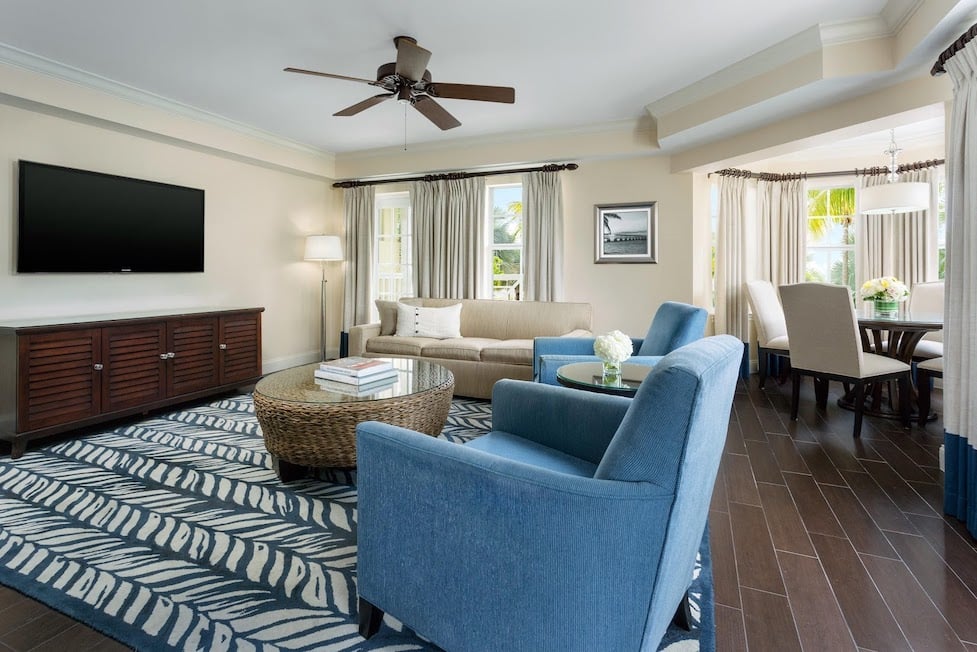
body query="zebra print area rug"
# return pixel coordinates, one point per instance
(174, 533)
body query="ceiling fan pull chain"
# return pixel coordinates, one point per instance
(405, 126)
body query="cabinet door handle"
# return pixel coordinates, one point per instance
(171, 355)
(222, 347)
(97, 367)
(164, 356)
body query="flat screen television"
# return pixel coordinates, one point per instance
(79, 221)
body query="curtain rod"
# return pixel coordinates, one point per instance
(955, 47)
(550, 167)
(773, 176)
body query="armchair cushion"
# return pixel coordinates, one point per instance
(514, 447)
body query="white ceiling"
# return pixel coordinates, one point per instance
(573, 63)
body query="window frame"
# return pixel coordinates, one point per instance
(388, 201)
(850, 248)
(491, 247)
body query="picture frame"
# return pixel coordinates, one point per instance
(626, 233)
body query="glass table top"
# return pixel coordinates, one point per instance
(589, 376)
(299, 385)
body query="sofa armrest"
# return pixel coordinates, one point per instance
(358, 335)
(445, 529)
(571, 421)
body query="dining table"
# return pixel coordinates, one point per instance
(894, 334)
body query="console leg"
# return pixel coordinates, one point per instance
(17, 448)
(370, 617)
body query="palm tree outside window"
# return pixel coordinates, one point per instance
(831, 235)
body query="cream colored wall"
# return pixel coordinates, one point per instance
(255, 220)
(624, 296)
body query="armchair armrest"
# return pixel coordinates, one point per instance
(550, 364)
(568, 346)
(358, 335)
(571, 421)
(428, 509)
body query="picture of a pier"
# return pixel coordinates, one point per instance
(626, 233)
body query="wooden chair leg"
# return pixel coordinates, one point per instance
(821, 392)
(795, 393)
(923, 386)
(369, 618)
(904, 407)
(762, 359)
(859, 408)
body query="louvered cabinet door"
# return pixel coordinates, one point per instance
(134, 371)
(240, 345)
(194, 363)
(59, 378)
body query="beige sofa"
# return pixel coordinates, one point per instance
(497, 338)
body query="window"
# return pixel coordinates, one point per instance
(831, 235)
(505, 249)
(392, 274)
(941, 227)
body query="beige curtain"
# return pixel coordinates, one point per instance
(449, 237)
(542, 214)
(901, 245)
(782, 215)
(960, 367)
(359, 255)
(735, 257)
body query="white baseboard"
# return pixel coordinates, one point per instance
(277, 364)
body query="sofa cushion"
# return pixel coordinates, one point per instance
(439, 323)
(388, 316)
(395, 345)
(457, 348)
(509, 351)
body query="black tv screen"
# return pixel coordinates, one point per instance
(79, 221)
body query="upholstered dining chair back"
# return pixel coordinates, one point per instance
(823, 328)
(768, 314)
(928, 298)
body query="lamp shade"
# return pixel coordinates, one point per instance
(323, 247)
(898, 197)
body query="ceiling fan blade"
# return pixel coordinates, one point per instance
(372, 82)
(436, 113)
(365, 104)
(503, 94)
(411, 58)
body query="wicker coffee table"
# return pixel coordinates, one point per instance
(306, 426)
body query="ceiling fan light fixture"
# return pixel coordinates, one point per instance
(894, 196)
(404, 95)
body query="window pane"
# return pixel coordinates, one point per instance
(505, 250)
(507, 214)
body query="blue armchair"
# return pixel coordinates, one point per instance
(675, 324)
(573, 525)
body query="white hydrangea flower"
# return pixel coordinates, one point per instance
(884, 288)
(613, 347)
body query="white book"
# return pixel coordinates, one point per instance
(356, 366)
(355, 380)
(355, 390)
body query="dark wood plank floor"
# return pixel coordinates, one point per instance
(823, 542)
(819, 542)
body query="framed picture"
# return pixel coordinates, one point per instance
(626, 233)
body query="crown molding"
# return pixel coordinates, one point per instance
(35, 63)
(636, 125)
(849, 31)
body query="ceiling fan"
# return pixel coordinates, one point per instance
(409, 81)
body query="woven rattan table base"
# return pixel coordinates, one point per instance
(324, 434)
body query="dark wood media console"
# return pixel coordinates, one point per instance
(59, 375)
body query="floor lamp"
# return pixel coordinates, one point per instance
(323, 248)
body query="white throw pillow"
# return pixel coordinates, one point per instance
(437, 323)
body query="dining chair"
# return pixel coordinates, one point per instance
(825, 343)
(928, 298)
(771, 327)
(925, 372)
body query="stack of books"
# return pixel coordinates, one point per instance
(356, 376)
